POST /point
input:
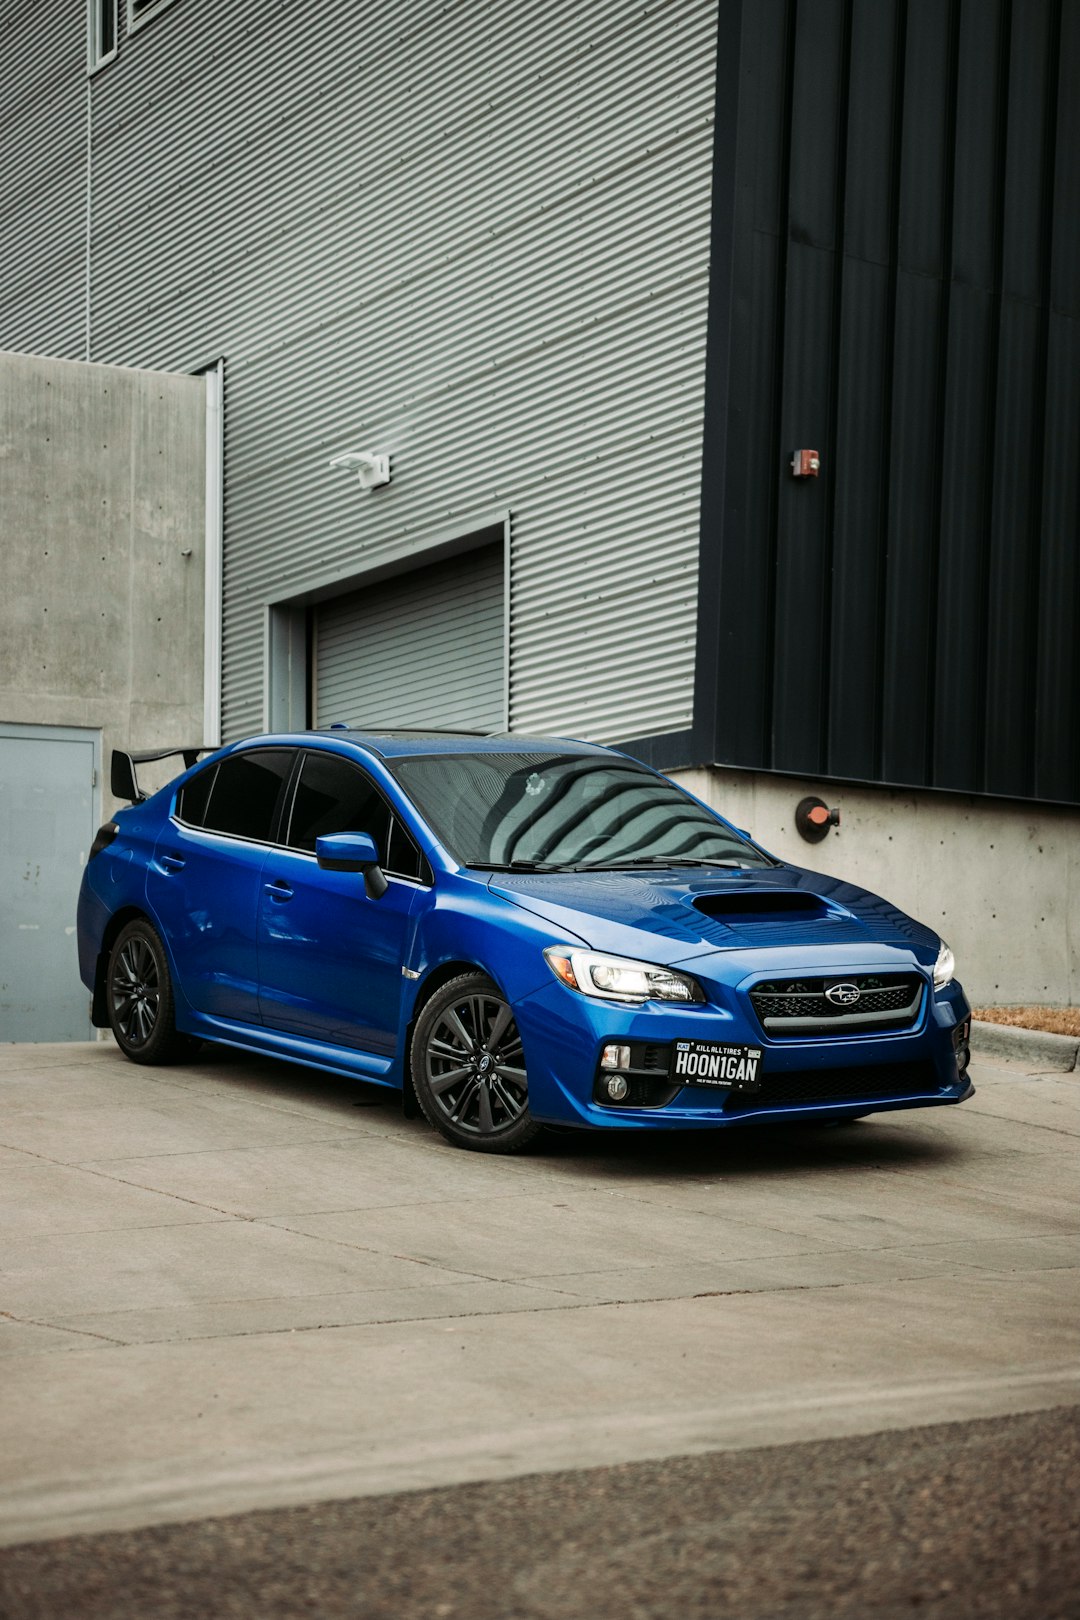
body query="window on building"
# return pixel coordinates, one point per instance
(138, 11)
(104, 26)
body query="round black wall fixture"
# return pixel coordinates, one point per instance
(813, 818)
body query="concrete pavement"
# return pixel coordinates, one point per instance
(239, 1284)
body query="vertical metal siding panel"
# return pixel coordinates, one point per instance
(481, 244)
(801, 648)
(862, 381)
(1064, 288)
(907, 694)
(1057, 705)
(798, 721)
(744, 602)
(958, 737)
(858, 564)
(982, 72)
(967, 428)
(739, 519)
(1021, 387)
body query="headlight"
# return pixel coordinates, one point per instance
(944, 967)
(614, 978)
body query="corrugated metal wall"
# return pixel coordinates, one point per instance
(423, 648)
(897, 285)
(474, 236)
(43, 195)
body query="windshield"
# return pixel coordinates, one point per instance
(553, 811)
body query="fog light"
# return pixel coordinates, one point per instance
(615, 1057)
(961, 1046)
(617, 1087)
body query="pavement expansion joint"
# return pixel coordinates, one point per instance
(53, 1327)
(1032, 1125)
(158, 1192)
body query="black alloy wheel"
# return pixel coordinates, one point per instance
(139, 998)
(468, 1068)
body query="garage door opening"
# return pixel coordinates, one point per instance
(423, 648)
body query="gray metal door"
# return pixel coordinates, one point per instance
(47, 823)
(427, 648)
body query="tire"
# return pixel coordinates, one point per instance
(139, 998)
(468, 1069)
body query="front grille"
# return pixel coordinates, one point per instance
(877, 1082)
(801, 1007)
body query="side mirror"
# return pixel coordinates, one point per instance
(352, 852)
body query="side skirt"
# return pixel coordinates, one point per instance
(379, 1071)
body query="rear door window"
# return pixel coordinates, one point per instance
(244, 796)
(194, 796)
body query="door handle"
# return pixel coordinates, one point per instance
(278, 889)
(171, 863)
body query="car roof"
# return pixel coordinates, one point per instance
(393, 744)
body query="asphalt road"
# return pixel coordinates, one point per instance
(972, 1521)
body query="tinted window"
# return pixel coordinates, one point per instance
(245, 793)
(334, 796)
(193, 796)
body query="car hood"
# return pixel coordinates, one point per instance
(676, 916)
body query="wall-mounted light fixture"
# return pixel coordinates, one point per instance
(371, 467)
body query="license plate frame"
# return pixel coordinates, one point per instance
(720, 1065)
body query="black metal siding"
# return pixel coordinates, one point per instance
(895, 283)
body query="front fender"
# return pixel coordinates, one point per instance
(465, 924)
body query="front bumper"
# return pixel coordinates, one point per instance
(564, 1033)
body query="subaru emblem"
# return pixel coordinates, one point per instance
(843, 995)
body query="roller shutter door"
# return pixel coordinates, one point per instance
(425, 648)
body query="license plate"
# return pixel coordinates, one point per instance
(714, 1063)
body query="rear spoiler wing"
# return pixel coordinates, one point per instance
(122, 778)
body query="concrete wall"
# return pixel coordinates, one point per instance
(1000, 881)
(102, 519)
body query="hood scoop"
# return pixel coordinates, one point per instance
(770, 917)
(764, 905)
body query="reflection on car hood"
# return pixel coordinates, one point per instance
(690, 913)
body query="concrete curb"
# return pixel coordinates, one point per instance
(1032, 1046)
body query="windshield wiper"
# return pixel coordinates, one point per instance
(663, 861)
(519, 866)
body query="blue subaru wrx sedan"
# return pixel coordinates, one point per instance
(514, 931)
